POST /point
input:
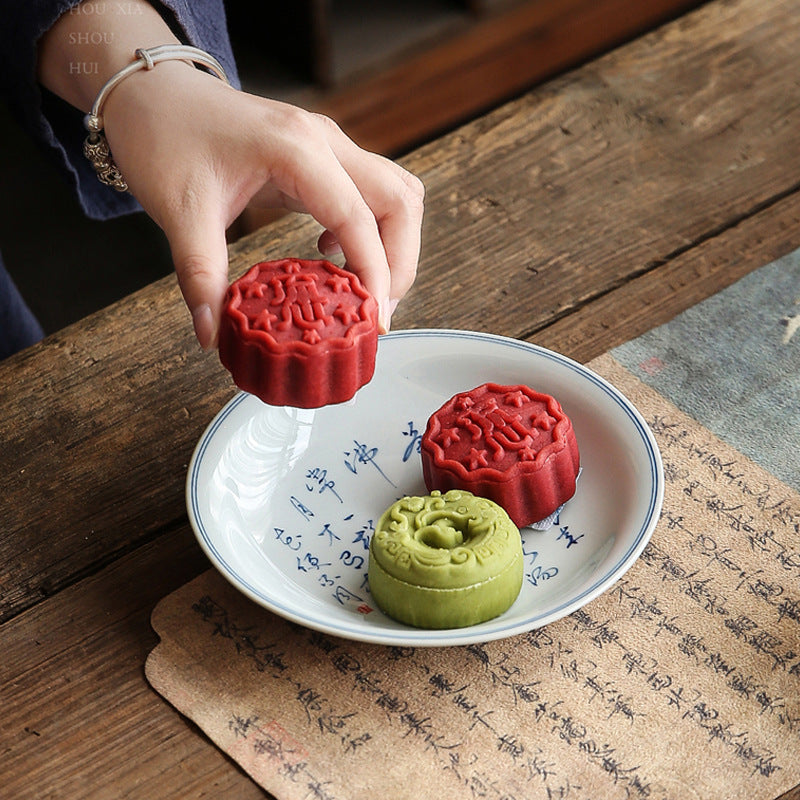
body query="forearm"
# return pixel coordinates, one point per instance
(195, 151)
(94, 40)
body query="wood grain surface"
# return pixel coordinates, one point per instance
(494, 57)
(576, 217)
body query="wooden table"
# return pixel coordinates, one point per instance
(576, 217)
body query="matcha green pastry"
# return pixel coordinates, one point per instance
(445, 560)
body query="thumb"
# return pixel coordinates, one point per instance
(200, 255)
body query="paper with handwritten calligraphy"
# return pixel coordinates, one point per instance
(681, 681)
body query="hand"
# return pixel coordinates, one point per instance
(195, 152)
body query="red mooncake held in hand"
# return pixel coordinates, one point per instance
(300, 333)
(509, 444)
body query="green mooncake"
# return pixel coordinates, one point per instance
(445, 560)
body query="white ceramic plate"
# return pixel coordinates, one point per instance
(283, 500)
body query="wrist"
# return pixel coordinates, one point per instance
(146, 85)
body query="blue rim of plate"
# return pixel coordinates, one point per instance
(460, 636)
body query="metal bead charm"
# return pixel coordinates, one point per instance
(93, 123)
(97, 151)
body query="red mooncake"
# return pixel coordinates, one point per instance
(298, 332)
(509, 444)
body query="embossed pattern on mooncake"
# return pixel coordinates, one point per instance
(299, 332)
(445, 561)
(511, 444)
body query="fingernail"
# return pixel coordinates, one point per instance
(331, 249)
(203, 321)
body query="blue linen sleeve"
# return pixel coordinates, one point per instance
(58, 127)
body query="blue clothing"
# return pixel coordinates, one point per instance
(18, 327)
(58, 128)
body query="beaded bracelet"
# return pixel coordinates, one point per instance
(95, 147)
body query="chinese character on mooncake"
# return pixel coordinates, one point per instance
(510, 444)
(298, 332)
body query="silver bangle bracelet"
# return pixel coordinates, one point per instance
(95, 147)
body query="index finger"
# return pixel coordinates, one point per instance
(326, 190)
(396, 199)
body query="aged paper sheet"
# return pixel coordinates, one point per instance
(682, 681)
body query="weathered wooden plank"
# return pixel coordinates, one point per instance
(657, 296)
(613, 169)
(98, 424)
(79, 719)
(533, 211)
(491, 59)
